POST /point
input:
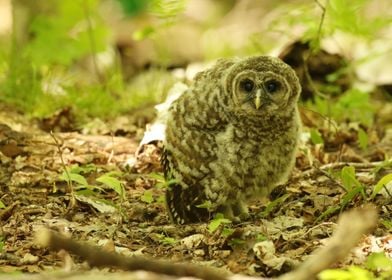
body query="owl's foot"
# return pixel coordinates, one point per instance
(235, 212)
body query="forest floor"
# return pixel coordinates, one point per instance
(89, 206)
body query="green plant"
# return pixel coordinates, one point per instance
(378, 266)
(316, 137)
(353, 105)
(1, 244)
(147, 197)
(110, 179)
(217, 221)
(161, 183)
(381, 264)
(165, 11)
(381, 184)
(90, 193)
(273, 205)
(165, 240)
(353, 189)
(363, 139)
(351, 273)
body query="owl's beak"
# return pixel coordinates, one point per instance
(258, 99)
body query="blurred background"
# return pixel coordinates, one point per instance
(83, 65)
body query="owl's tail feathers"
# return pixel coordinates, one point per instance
(182, 205)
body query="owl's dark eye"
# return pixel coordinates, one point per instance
(247, 85)
(272, 86)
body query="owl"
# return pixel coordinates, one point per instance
(231, 137)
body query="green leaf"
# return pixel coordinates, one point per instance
(168, 240)
(1, 244)
(380, 184)
(347, 176)
(144, 33)
(226, 232)
(363, 139)
(316, 137)
(272, 205)
(206, 204)
(157, 176)
(147, 197)
(352, 273)
(133, 7)
(379, 261)
(218, 220)
(2, 205)
(112, 182)
(73, 177)
(328, 212)
(386, 223)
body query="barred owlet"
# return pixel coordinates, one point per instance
(230, 138)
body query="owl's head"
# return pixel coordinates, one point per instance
(262, 85)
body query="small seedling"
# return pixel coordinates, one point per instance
(381, 184)
(218, 220)
(316, 137)
(363, 139)
(147, 197)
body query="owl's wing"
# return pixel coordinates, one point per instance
(189, 150)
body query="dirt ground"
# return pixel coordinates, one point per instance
(282, 231)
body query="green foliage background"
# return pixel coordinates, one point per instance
(45, 73)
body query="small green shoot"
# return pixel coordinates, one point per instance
(112, 182)
(381, 184)
(226, 232)
(363, 139)
(348, 178)
(236, 242)
(1, 244)
(272, 205)
(376, 263)
(383, 165)
(379, 261)
(316, 137)
(261, 237)
(168, 240)
(330, 210)
(162, 183)
(218, 220)
(206, 205)
(74, 177)
(353, 188)
(351, 273)
(2, 205)
(386, 223)
(147, 197)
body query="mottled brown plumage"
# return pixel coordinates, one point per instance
(230, 138)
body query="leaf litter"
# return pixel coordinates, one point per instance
(336, 169)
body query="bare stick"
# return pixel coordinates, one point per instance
(69, 181)
(351, 227)
(101, 258)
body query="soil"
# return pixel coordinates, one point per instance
(282, 231)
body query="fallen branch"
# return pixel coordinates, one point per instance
(100, 258)
(351, 227)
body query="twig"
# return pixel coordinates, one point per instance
(69, 181)
(351, 227)
(101, 258)
(336, 165)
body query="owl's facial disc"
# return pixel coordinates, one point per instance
(261, 92)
